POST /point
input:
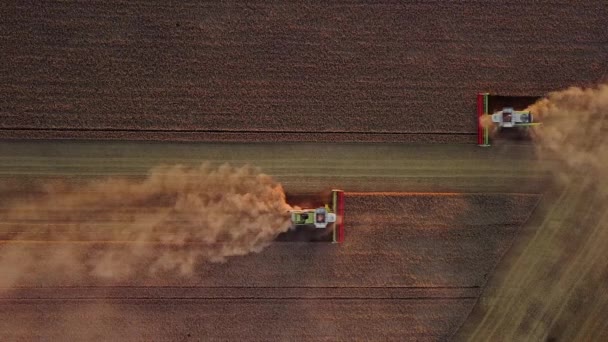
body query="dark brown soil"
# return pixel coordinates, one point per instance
(222, 71)
(237, 136)
(402, 273)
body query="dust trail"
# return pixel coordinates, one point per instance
(175, 219)
(575, 129)
(555, 287)
(486, 122)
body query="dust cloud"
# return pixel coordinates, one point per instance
(574, 130)
(486, 121)
(555, 287)
(173, 220)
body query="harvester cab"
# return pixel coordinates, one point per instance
(508, 117)
(327, 217)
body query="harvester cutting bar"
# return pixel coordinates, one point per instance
(338, 206)
(482, 109)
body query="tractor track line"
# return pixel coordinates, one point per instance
(408, 193)
(152, 130)
(229, 298)
(235, 287)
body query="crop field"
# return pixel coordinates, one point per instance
(274, 72)
(379, 244)
(442, 240)
(412, 266)
(397, 280)
(234, 319)
(558, 266)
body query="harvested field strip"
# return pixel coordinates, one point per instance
(258, 319)
(252, 298)
(352, 167)
(19, 241)
(237, 131)
(231, 137)
(153, 292)
(260, 151)
(307, 166)
(378, 245)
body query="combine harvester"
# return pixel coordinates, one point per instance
(504, 115)
(324, 223)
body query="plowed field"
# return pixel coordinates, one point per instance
(385, 71)
(412, 266)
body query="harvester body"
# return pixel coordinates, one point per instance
(327, 217)
(508, 117)
(319, 217)
(500, 109)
